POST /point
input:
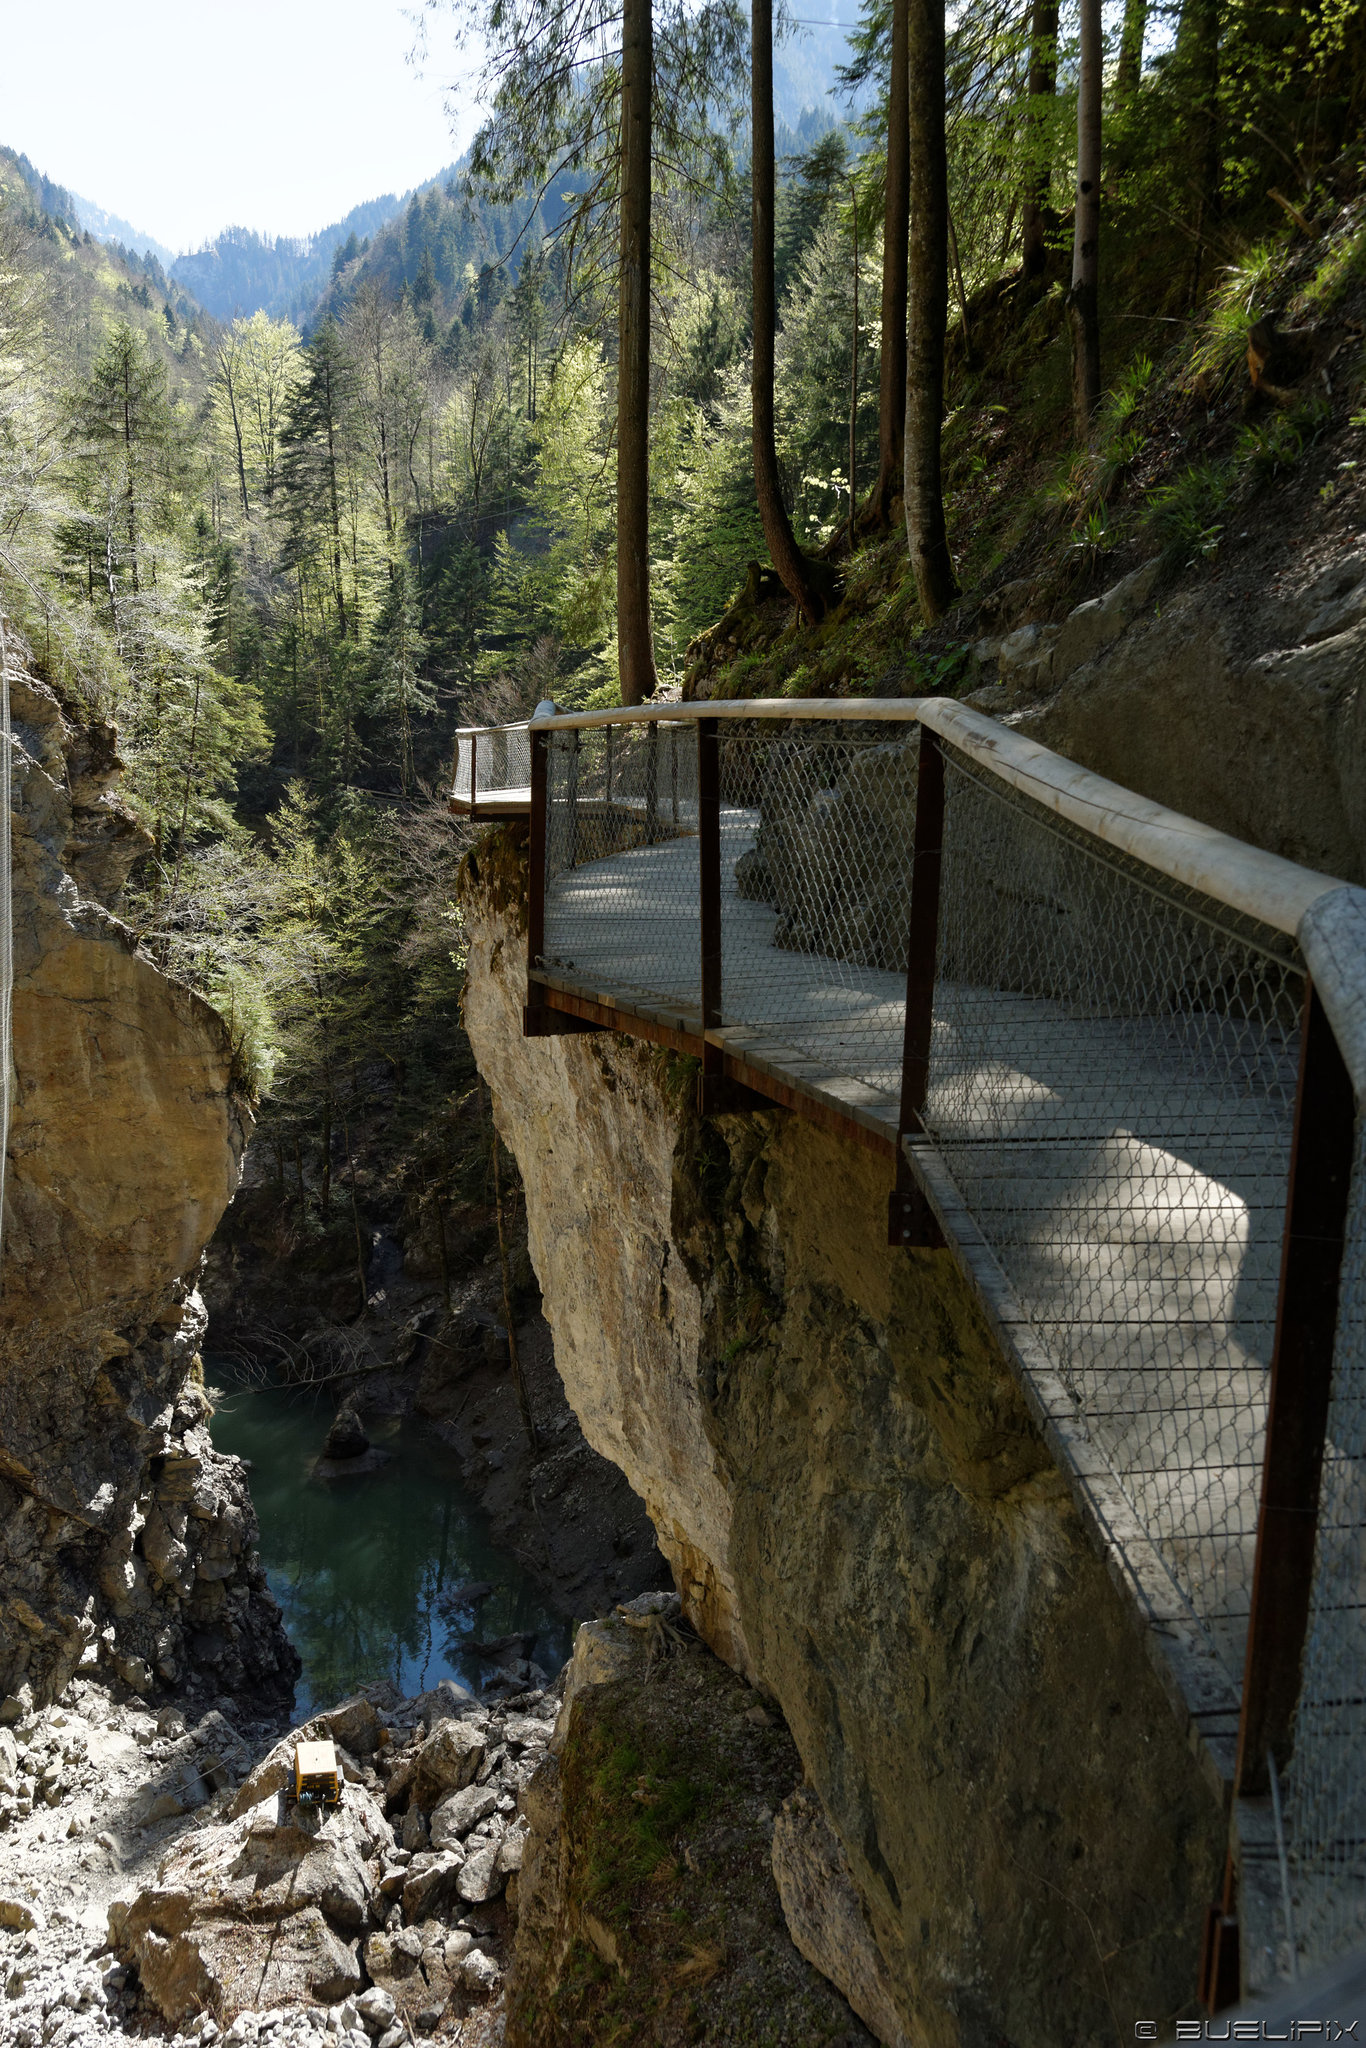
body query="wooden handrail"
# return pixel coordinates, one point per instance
(1245, 878)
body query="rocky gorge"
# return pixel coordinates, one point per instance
(126, 1543)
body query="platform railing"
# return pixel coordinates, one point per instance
(1090, 1033)
(491, 773)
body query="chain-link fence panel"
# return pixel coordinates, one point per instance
(1112, 1085)
(817, 848)
(621, 902)
(1325, 1791)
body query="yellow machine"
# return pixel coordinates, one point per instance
(317, 1781)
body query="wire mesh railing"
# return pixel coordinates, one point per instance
(1112, 1086)
(1092, 1012)
(1326, 1776)
(492, 771)
(621, 900)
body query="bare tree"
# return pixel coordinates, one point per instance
(896, 221)
(931, 563)
(1083, 301)
(787, 557)
(635, 645)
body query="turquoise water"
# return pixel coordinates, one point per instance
(360, 1565)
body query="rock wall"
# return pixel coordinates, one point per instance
(647, 1904)
(861, 1518)
(1238, 701)
(124, 1538)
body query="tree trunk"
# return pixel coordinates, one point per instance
(787, 557)
(1043, 84)
(1197, 63)
(931, 563)
(896, 221)
(853, 373)
(635, 647)
(1131, 51)
(1083, 301)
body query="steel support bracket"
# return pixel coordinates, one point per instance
(911, 1220)
(540, 1021)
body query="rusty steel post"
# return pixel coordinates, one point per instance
(1297, 1403)
(709, 903)
(909, 1217)
(535, 909)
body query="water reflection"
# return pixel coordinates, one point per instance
(364, 1569)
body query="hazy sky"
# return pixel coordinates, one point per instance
(186, 117)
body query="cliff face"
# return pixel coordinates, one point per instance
(862, 1518)
(1237, 700)
(124, 1538)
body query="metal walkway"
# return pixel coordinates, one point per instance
(1113, 1059)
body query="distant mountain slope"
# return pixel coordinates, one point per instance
(112, 227)
(90, 284)
(437, 246)
(241, 271)
(44, 192)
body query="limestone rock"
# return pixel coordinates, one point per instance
(825, 1915)
(447, 1762)
(355, 1725)
(459, 1812)
(1247, 715)
(376, 2008)
(478, 1971)
(609, 1649)
(255, 1893)
(346, 1438)
(431, 1882)
(480, 1878)
(224, 1963)
(126, 1141)
(860, 1512)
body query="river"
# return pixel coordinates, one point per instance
(364, 1568)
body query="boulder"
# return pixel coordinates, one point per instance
(376, 2008)
(459, 1812)
(1093, 625)
(354, 1725)
(479, 1972)
(346, 1438)
(825, 1915)
(393, 1961)
(431, 1882)
(445, 1699)
(447, 1762)
(480, 1878)
(265, 1904)
(225, 1964)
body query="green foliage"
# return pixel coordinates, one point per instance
(1244, 293)
(1185, 517)
(1266, 451)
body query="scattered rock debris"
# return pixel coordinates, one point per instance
(156, 1882)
